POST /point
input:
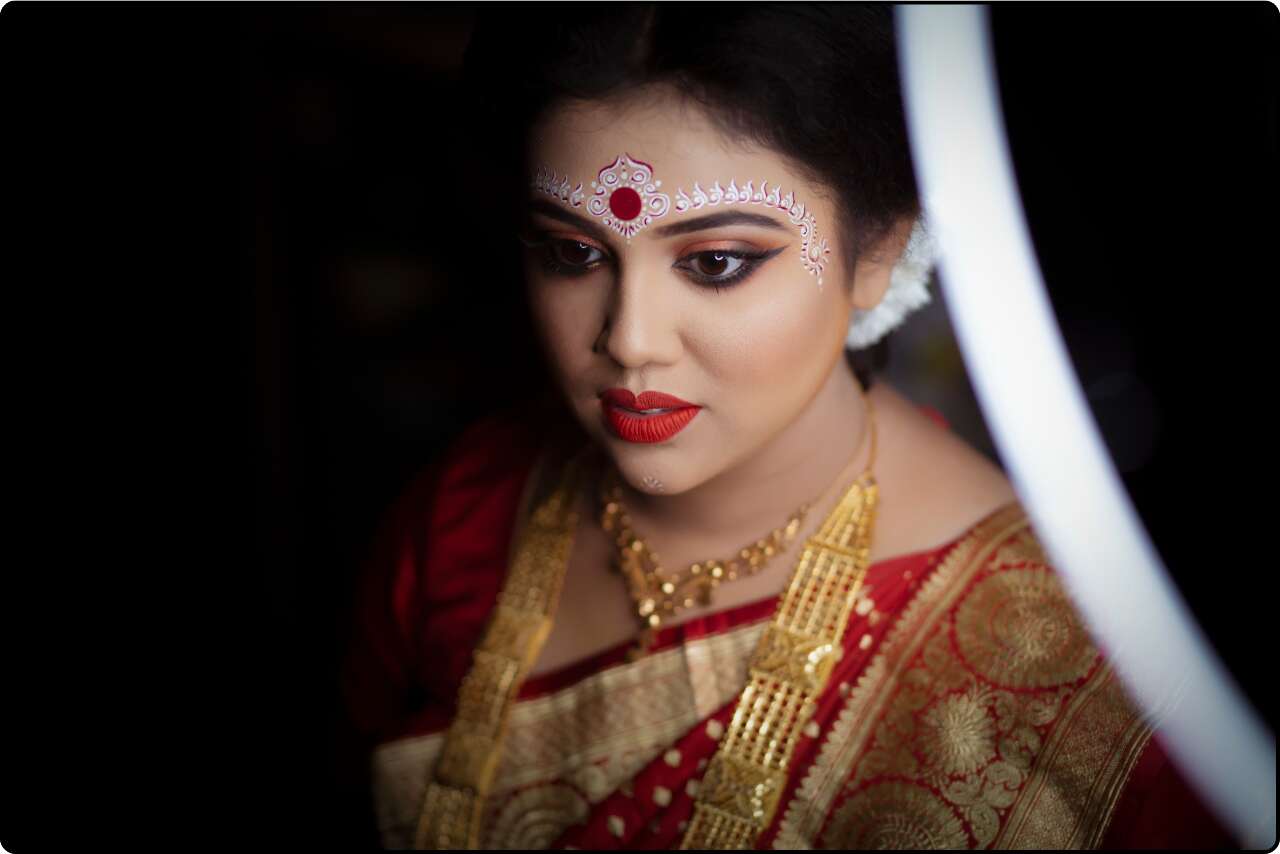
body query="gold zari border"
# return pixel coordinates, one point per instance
(593, 735)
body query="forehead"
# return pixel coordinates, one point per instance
(673, 135)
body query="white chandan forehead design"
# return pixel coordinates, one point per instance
(548, 182)
(813, 249)
(626, 198)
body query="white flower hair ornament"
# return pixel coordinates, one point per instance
(908, 291)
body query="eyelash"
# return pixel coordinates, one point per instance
(751, 262)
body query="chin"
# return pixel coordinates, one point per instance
(649, 469)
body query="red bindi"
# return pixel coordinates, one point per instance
(625, 203)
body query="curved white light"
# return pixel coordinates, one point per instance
(1041, 423)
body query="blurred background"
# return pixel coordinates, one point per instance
(1146, 151)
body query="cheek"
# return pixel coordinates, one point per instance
(778, 343)
(563, 313)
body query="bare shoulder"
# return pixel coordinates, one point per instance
(934, 486)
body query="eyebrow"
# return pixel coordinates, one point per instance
(718, 220)
(702, 223)
(554, 211)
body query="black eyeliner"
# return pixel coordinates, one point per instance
(552, 266)
(752, 262)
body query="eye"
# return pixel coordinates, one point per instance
(563, 256)
(720, 268)
(573, 253)
(716, 265)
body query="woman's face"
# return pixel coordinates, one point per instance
(640, 286)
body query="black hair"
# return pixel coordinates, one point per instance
(816, 83)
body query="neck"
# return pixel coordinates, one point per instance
(797, 466)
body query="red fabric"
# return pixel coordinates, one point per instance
(432, 579)
(1158, 809)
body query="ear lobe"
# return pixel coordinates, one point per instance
(870, 282)
(874, 270)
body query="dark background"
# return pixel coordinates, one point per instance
(276, 307)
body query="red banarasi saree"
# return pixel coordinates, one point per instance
(970, 708)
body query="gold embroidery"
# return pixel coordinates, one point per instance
(718, 670)
(895, 815)
(593, 736)
(533, 819)
(1018, 629)
(971, 746)
(986, 706)
(846, 739)
(1080, 770)
(958, 734)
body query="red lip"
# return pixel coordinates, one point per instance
(622, 415)
(646, 399)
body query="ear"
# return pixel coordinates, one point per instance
(875, 266)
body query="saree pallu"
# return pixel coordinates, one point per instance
(970, 707)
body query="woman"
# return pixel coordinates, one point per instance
(744, 594)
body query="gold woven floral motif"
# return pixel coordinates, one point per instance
(533, 819)
(898, 816)
(1017, 628)
(957, 734)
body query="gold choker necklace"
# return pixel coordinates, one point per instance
(660, 594)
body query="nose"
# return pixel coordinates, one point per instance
(640, 323)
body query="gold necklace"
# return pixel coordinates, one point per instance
(659, 594)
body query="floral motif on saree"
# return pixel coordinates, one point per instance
(987, 719)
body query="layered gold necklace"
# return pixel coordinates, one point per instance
(659, 594)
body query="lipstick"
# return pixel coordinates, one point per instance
(647, 418)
